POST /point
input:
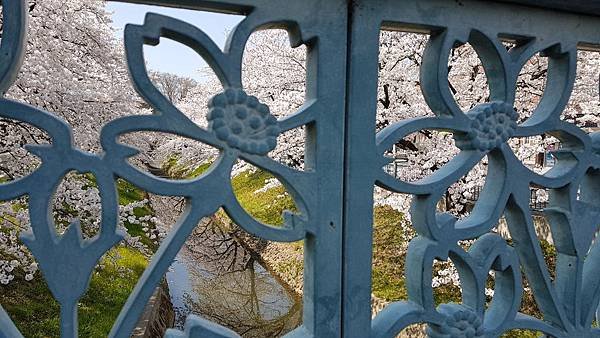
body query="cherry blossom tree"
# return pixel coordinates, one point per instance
(400, 98)
(175, 88)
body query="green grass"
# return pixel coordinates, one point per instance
(31, 307)
(108, 291)
(266, 206)
(522, 334)
(128, 193)
(173, 168)
(293, 268)
(36, 313)
(199, 170)
(388, 254)
(391, 233)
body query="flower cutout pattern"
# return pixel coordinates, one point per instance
(485, 131)
(240, 126)
(243, 122)
(473, 317)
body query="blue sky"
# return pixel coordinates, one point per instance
(169, 56)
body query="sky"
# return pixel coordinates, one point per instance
(170, 56)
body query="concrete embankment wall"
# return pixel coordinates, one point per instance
(158, 315)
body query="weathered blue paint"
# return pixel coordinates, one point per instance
(344, 160)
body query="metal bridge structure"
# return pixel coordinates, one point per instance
(345, 160)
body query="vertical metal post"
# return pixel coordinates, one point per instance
(326, 80)
(363, 49)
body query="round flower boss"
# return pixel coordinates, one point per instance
(492, 124)
(241, 121)
(461, 322)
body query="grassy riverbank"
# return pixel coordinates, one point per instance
(35, 312)
(266, 205)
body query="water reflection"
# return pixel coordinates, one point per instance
(248, 300)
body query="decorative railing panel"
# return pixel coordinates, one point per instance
(239, 125)
(569, 302)
(344, 161)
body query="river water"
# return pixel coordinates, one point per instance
(247, 299)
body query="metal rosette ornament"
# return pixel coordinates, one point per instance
(243, 122)
(492, 125)
(460, 321)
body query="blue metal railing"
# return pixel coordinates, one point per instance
(344, 161)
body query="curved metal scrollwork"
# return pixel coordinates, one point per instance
(344, 160)
(568, 302)
(240, 126)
